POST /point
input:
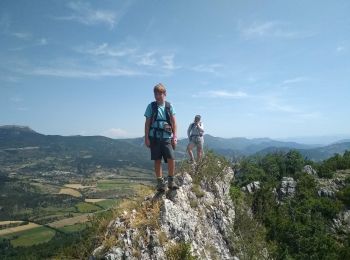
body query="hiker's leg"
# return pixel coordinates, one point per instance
(171, 167)
(189, 150)
(158, 167)
(199, 152)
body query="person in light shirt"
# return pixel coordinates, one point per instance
(195, 133)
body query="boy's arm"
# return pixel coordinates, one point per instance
(173, 123)
(147, 127)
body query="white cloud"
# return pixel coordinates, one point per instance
(168, 62)
(116, 133)
(82, 12)
(276, 29)
(105, 49)
(80, 72)
(221, 94)
(22, 35)
(294, 80)
(276, 104)
(147, 59)
(208, 68)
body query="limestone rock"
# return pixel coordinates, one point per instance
(287, 187)
(252, 187)
(203, 221)
(309, 170)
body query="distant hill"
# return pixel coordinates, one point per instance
(22, 143)
(321, 153)
(315, 154)
(26, 143)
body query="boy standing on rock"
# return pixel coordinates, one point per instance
(160, 136)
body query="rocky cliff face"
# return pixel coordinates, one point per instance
(197, 217)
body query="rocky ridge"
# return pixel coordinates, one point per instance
(197, 217)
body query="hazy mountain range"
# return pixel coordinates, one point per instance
(20, 142)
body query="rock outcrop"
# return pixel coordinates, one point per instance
(342, 222)
(197, 214)
(287, 187)
(252, 187)
(309, 170)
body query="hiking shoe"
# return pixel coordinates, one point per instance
(171, 183)
(160, 184)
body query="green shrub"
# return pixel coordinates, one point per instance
(180, 251)
(344, 195)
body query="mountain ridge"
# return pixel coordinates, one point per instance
(14, 136)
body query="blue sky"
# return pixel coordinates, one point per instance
(250, 68)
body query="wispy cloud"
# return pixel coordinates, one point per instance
(275, 106)
(32, 43)
(116, 133)
(294, 80)
(221, 94)
(9, 78)
(105, 49)
(65, 72)
(276, 29)
(153, 61)
(22, 35)
(168, 62)
(147, 59)
(84, 13)
(208, 68)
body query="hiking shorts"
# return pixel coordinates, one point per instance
(161, 149)
(197, 141)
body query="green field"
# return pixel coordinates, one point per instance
(108, 203)
(114, 185)
(31, 237)
(73, 228)
(84, 207)
(35, 198)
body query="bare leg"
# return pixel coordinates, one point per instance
(199, 153)
(171, 167)
(189, 150)
(158, 167)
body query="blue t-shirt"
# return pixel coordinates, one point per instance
(161, 116)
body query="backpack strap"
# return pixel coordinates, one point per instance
(192, 125)
(168, 112)
(154, 111)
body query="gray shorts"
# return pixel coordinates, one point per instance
(161, 149)
(197, 141)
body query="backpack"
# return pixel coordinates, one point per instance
(192, 126)
(155, 119)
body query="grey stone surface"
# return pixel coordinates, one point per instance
(205, 222)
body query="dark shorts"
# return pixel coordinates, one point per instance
(161, 149)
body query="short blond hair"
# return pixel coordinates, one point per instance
(159, 88)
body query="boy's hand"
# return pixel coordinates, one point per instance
(147, 142)
(174, 142)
